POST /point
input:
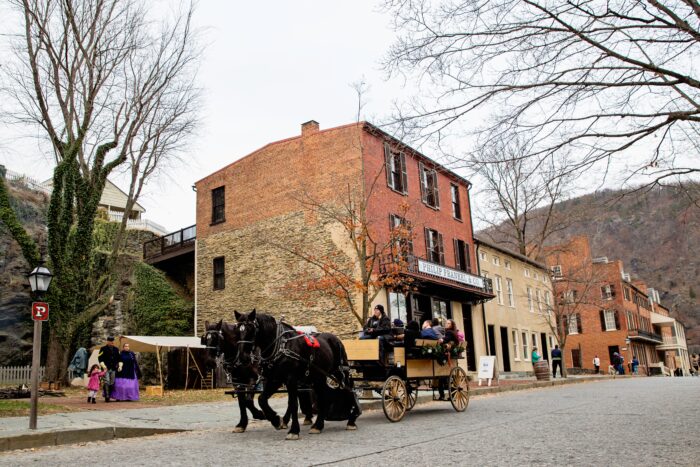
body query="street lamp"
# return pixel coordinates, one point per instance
(39, 281)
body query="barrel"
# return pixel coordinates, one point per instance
(542, 370)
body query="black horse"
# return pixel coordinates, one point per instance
(287, 358)
(221, 340)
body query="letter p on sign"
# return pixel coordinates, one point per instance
(40, 311)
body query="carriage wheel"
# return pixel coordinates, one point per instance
(412, 393)
(459, 389)
(394, 398)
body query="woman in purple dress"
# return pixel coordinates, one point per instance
(126, 384)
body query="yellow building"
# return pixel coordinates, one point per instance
(519, 318)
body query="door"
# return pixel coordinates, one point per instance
(492, 340)
(469, 336)
(576, 358)
(611, 350)
(545, 350)
(505, 349)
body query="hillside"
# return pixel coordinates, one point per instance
(657, 236)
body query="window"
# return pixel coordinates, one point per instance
(551, 342)
(626, 293)
(509, 287)
(516, 347)
(534, 343)
(526, 271)
(395, 170)
(608, 320)
(556, 271)
(506, 264)
(397, 306)
(219, 273)
(499, 290)
(568, 297)
(573, 324)
(526, 347)
(434, 247)
(496, 261)
(547, 299)
(529, 300)
(402, 236)
(462, 260)
(429, 192)
(482, 256)
(538, 295)
(537, 276)
(456, 208)
(607, 292)
(218, 205)
(441, 309)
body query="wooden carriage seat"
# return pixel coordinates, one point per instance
(365, 349)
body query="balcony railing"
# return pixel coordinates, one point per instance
(169, 243)
(423, 269)
(645, 335)
(138, 224)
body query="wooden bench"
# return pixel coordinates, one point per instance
(365, 349)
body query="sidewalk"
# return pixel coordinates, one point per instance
(101, 425)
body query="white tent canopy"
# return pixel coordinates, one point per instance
(159, 343)
(153, 343)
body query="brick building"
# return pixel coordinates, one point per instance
(520, 317)
(246, 210)
(609, 312)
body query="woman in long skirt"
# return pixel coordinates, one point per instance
(126, 384)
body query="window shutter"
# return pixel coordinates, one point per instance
(455, 244)
(565, 319)
(612, 290)
(436, 191)
(617, 320)
(602, 320)
(441, 249)
(404, 176)
(428, 254)
(387, 164)
(423, 183)
(578, 323)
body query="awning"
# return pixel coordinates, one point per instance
(154, 343)
(661, 320)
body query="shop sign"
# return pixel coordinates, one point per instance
(449, 273)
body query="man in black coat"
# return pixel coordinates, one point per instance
(109, 359)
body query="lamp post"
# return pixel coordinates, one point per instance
(39, 281)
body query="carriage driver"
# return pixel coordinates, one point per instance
(377, 325)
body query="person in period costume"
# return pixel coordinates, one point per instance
(126, 384)
(93, 385)
(109, 360)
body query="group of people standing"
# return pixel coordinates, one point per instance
(119, 372)
(556, 360)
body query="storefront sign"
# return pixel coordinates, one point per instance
(487, 365)
(449, 273)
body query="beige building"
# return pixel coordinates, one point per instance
(518, 319)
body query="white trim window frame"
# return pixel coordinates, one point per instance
(509, 289)
(609, 320)
(530, 304)
(538, 296)
(516, 344)
(572, 324)
(556, 271)
(499, 289)
(506, 264)
(526, 345)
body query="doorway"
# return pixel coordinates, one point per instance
(576, 358)
(545, 350)
(505, 349)
(469, 336)
(492, 340)
(611, 350)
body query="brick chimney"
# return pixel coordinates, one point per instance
(309, 128)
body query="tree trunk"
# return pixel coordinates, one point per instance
(56, 358)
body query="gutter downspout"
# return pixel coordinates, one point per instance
(478, 268)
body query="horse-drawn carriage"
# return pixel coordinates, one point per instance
(417, 368)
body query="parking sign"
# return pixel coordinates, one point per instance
(40, 311)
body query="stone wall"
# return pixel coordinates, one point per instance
(257, 270)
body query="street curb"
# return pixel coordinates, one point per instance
(84, 435)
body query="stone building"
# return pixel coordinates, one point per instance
(251, 212)
(520, 317)
(613, 313)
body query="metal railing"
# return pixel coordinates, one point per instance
(170, 242)
(632, 333)
(138, 224)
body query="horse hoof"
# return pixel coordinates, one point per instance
(351, 427)
(239, 429)
(308, 421)
(292, 437)
(283, 426)
(314, 431)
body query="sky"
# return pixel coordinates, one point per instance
(267, 68)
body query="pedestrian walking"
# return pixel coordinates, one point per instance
(596, 364)
(126, 385)
(635, 365)
(109, 356)
(93, 385)
(556, 362)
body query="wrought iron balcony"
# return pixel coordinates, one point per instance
(638, 334)
(171, 243)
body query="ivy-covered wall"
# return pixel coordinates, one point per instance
(156, 308)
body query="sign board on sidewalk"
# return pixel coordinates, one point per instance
(487, 364)
(40, 311)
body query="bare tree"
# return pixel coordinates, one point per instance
(520, 196)
(104, 84)
(602, 79)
